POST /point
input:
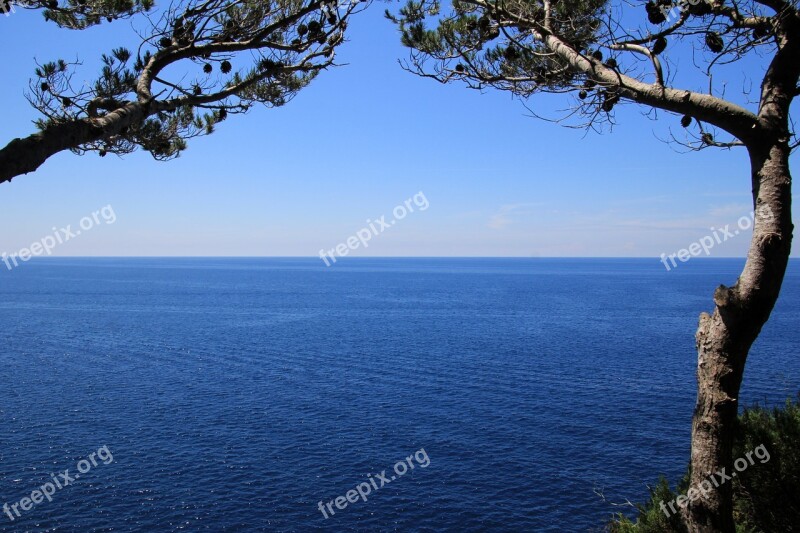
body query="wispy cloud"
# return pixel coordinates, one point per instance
(730, 210)
(503, 217)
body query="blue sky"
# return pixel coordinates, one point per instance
(360, 140)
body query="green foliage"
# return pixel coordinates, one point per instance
(766, 495)
(488, 45)
(116, 80)
(80, 14)
(651, 518)
(190, 71)
(527, 47)
(163, 134)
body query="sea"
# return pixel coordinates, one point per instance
(278, 394)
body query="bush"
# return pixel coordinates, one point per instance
(766, 495)
(651, 518)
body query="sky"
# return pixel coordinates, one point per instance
(363, 139)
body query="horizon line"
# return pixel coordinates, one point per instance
(373, 257)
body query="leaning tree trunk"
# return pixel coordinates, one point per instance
(21, 156)
(725, 337)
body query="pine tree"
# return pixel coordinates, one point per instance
(587, 48)
(158, 97)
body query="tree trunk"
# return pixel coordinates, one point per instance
(724, 338)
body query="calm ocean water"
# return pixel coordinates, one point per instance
(235, 395)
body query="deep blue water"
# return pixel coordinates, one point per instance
(235, 395)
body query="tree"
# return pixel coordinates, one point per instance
(581, 47)
(198, 62)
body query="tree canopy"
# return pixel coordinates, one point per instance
(603, 53)
(197, 63)
(80, 14)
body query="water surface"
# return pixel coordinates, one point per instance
(235, 394)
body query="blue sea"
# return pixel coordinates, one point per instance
(238, 394)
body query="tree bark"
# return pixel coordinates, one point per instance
(22, 156)
(724, 338)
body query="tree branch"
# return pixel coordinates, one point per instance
(732, 118)
(645, 52)
(291, 42)
(22, 156)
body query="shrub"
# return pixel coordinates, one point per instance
(766, 496)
